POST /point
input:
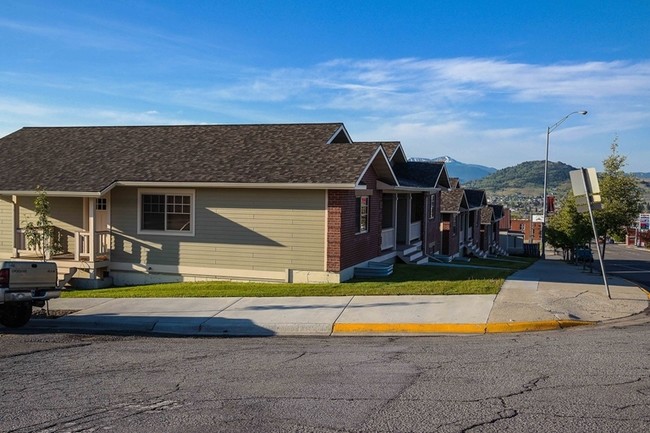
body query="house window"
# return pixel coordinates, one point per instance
(166, 212)
(100, 204)
(432, 206)
(362, 214)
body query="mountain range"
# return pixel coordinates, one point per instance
(526, 175)
(465, 172)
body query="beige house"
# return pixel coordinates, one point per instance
(290, 202)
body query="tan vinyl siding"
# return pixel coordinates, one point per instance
(66, 214)
(6, 226)
(238, 229)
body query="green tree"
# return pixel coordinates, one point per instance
(621, 197)
(40, 235)
(568, 228)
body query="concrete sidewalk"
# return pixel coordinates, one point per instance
(548, 295)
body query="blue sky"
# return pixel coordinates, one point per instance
(479, 81)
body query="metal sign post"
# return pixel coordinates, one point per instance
(584, 182)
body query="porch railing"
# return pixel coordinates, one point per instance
(414, 230)
(82, 244)
(387, 238)
(21, 243)
(23, 247)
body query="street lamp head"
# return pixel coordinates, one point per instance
(582, 112)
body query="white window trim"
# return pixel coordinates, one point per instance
(432, 206)
(367, 215)
(102, 200)
(166, 191)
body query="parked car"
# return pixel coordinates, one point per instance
(584, 254)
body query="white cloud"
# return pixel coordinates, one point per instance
(478, 110)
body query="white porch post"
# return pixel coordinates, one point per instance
(396, 198)
(91, 238)
(15, 218)
(408, 218)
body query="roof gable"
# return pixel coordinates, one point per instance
(380, 164)
(340, 136)
(476, 198)
(497, 209)
(419, 174)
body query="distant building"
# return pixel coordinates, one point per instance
(532, 230)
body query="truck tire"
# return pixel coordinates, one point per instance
(15, 314)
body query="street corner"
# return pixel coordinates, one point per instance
(532, 326)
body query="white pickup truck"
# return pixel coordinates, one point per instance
(23, 285)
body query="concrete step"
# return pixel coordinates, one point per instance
(412, 248)
(374, 270)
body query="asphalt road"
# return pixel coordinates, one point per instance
(592, 379)
(632, 264)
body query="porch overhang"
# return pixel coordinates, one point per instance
(404, 189)
(54, 193)
(233, 185)
(222, 185)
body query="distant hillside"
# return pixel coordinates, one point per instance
(528, 175)
(465, 172)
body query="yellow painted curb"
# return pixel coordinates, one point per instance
(411, 328)
(453, 328)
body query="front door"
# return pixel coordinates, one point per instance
(102, 224)
(101, 214)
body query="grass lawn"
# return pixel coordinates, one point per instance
(405, 280)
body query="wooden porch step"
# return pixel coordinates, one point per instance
(67, 276)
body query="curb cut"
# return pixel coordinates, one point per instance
(546, 325)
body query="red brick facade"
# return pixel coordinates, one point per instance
(489, 235)
(450, 234)
(346, 248)
(532, 230)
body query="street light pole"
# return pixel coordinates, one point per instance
(548, 139)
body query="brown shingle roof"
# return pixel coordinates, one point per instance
(487, 215)
(453, 201)
(91, 158)
(389, 146)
